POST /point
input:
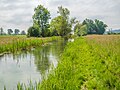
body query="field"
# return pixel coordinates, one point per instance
(14, 44)
(88, 63)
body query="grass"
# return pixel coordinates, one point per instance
(17, 43)
(91, 62)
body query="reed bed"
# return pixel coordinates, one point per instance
(12, 44)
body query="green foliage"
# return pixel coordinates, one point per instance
(18, 44)
(41, 18)
(62, 25)
(89, 26)
(83, 30)
(16, 31)
(33, 32)
(64, 12)
(100, 26)
(23, 32)
(73, 21)
(80, 29)
(95, 27)
(1, 31)
(59, 26)
(10, 31)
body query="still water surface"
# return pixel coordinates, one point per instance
(26, 66)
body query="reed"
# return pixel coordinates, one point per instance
(12, 44)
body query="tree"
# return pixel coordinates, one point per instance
(83, 30)
(23, 32)
(41, 18)
(60, 26)
(16, 31)
(73, 21)
(80, 29)
(100, 26)
(33, 32)
(64, 12)
(1, 31)
(95, 27)
(10, 31)
(90, 26)
(53, 32)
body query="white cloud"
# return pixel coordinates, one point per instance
(18, 13)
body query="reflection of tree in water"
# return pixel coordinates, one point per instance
(58, 48)
(41, 58)
(19, 56)
(42, 55)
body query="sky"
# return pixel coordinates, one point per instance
(18, 13)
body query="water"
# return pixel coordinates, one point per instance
(26, 66)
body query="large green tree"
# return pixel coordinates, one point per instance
(33, 31)
(100, 26)
(41, 18)
(90, 26)
(62, 24)
(95, 27)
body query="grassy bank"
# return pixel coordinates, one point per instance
(88, 63)
(17, 43)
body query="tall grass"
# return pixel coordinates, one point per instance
(15, 43)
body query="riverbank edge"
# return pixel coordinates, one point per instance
(26, 44)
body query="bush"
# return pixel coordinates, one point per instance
(33, 32)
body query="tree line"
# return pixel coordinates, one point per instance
(59, 26)
(62, 25)
(12, 32)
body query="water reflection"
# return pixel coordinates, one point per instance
(32, 65)
(41, 58)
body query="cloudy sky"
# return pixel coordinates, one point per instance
(18, 13)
